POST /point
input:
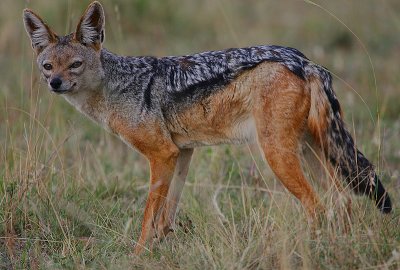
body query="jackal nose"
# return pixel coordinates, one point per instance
(55, 83)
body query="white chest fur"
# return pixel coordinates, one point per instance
(90, 103)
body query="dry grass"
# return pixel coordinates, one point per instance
(72, 196)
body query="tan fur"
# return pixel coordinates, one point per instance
(162, 155)
(280, 114)
(318, 112)
(219, 117)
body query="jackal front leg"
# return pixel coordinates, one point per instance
(166, 221)
(162, 170)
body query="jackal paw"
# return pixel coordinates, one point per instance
(161, 231)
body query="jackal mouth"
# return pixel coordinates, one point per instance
(60, 91)
(63, 91)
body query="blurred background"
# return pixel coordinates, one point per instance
(358, 41)
(54, 163)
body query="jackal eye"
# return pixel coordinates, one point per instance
(76, 64)
(47, 66)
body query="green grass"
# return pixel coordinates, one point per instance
(72, 195)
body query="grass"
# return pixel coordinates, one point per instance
(72, 195)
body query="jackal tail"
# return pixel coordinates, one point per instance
(329, 132)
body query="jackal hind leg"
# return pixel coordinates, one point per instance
(165, 223)
(281, 114)
(322, 171)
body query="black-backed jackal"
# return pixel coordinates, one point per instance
(164, 107)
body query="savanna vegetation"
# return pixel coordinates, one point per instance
(72, 195)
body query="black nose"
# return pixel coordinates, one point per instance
(56, 83)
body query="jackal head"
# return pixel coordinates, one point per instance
(70, 63)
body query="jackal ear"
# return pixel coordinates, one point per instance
(40, 34)
(90, 29)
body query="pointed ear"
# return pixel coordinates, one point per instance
(40, 34)
(90, 29)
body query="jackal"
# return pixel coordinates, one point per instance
(164, 107)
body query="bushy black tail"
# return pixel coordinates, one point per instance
(328, 129)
